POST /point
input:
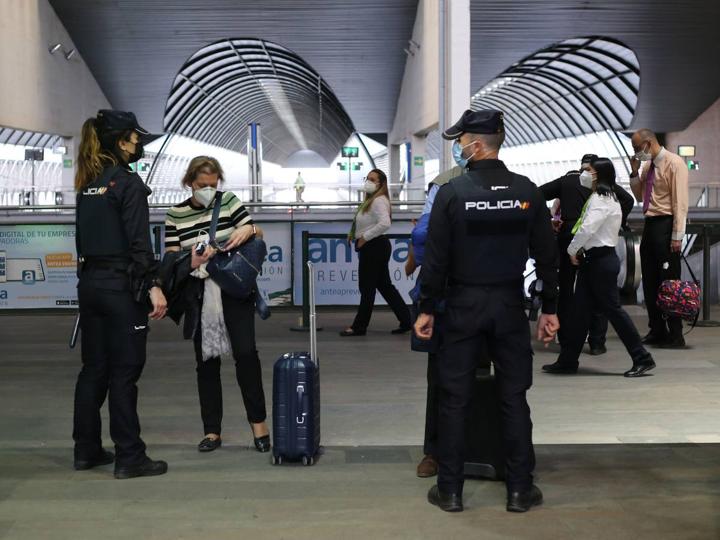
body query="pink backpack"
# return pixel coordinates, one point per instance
(677, 298)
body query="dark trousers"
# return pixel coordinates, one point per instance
(596, 290)
(432, 407)
(566, 286)
(240, 322)
(113, 339)
(374, 275)
(655, 253)
(476, 317)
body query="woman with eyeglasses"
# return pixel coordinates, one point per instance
(372, 220)
(593, 250)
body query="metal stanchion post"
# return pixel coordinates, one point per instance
(706, 321)
(305, 323)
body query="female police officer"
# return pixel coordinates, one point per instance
(117, 280)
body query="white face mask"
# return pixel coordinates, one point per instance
(369, 187)
(586, 179)
(643, 155)
(205, 195)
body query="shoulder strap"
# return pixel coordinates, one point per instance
(215, 216)
(692, 274)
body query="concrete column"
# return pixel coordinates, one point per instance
(416, 188)
(454, 58)
(394, 166)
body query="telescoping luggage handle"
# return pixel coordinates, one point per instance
(313, 314)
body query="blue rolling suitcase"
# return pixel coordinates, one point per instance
(296, 399)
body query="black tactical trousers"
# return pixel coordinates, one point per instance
(114, 335)
(476, 316)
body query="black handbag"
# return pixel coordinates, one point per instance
(235, 271)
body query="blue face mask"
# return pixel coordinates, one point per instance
(457, 154)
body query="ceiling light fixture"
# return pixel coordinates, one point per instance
(70, 54)
(55, 48)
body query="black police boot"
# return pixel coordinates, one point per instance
(673, 343)
(597, 350)
(449, 502)
(148, 467)
(641, 365)
(560, 369)
(653, 338)
(522, 501)
(105, 457)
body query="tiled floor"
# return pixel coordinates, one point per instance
(364, 486)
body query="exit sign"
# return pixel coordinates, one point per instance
(418, 161)
(350, 151)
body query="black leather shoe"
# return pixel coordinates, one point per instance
(208, 444)
(401, 330)
(103, 458)
(560, 369)
(653, 339)
(262, 444)
(449, 502)
(640, 367)
(522, 501)
(147, 468)
(597, 351)
(677, 343)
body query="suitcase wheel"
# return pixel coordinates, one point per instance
(307, 461)
(276, 460)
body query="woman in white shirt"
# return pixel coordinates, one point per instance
(372, 220)
(593, 250)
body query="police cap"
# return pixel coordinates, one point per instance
(486, 122)
(109, 120)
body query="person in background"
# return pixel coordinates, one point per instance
(592, 248)
(372, 220)
(662, 188)
(572, 195)
(299, 188)
(118, 280)
(218, 324)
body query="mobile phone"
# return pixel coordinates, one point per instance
(200, 248)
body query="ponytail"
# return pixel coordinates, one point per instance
(91, 156)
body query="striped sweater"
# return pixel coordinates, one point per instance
(186, 225)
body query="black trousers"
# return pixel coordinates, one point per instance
(113, 339)
(566, 285)
(476, 317)
(655, 254)
(374, 275)
(432, 407)
(240, 322)
(596, 290)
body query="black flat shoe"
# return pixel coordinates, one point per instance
(448, 502)
(678, 343)
(653, 339)
(147, 468)
(105, 457)
(401, 330)
(262, 444)
(208, 444)
(350, 333)
(560, 369)
(597, 351)
(640, 368)
(522, 501)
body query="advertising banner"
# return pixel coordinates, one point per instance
(37, 266)
(275, 282)
(336, 264)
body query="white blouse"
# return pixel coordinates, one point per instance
(600, 224)
(375, 222)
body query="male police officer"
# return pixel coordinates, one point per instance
(483, 225)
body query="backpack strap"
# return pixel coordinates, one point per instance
(692, 274)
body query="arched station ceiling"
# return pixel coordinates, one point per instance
(228, 84)
(577, 86)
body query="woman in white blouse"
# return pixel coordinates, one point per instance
(593, 249)
(372, 220)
